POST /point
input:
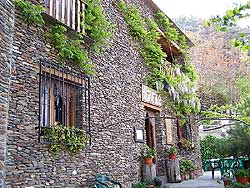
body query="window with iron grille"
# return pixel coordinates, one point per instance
(64, 97)
(69, 12)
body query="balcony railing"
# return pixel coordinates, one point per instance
(69, 12)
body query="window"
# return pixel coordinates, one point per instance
(64, 97)
(69, 12)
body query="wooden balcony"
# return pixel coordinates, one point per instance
(69, 12)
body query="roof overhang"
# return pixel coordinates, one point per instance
(150, 4)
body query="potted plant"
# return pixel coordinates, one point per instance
(150, 183)
(195, 171)
(242, 176)
(149, 155)
(191, 170)
(172, 151)
(226, 180)
(139, 185)
(182, 171)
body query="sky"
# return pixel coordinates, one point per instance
(198, 8)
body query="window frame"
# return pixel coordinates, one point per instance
(78, 83)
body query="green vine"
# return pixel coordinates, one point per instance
(181, 78)
(73, 139)
(96, 26)
(31, 13)
(70, 49)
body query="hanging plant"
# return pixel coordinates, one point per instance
(59, 137)
(71, 50)
(31, 13)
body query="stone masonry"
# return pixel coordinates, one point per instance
(6, 38)
(116, 108)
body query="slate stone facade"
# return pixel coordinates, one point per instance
(116, 109)
(6, 38)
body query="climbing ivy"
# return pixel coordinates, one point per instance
(96, 24)
(147, 33)
(31, 13)
(71, 49)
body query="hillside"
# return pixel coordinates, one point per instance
(217, 62)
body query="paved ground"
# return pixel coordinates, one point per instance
(204, 181)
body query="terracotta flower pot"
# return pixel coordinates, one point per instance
(150, 186)
(191, 175)
(248, 179)
(226, 182)
(182, 177)
(242, 180)
(148, 160)
(172, 156)
(187, 177)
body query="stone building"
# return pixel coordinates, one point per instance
(119, 104)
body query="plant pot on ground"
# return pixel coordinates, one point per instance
(150, 183)
(172, 151)
(242, 176)
(191, 175)
(226, 180)
(149, 155)
(187, 177)
(182, 171)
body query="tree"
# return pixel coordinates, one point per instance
(229, 20)
(211, 147)
(238, 141)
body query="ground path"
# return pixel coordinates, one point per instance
(204, 181)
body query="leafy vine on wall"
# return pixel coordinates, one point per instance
(181, 78)
(96, 26)
(71, 50)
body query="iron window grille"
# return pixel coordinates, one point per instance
(64, 98)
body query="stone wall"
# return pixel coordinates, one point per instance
(193, 154)
(6, 38)
(116, 109)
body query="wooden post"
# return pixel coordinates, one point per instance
(73, 14)
(78, 15)
(149, 172)
(68, 12)
(63, 10)
(173, 171)
(83, 18)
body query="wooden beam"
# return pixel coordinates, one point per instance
(150, 106)
(170, 47)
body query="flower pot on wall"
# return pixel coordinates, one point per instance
(172, 156)
(242, 180)
(148, 160)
